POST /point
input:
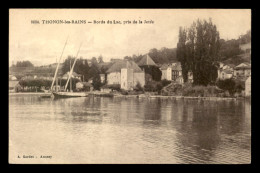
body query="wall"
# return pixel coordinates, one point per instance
(169, 73)
(139, 77)
(113, 78)
(127, 78)
(164, 74)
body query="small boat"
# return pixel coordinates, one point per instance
(69, 94)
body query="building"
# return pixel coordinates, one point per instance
(151, 69)
(242, 70)
(14, 86)
(248, 87)
(190, 77)
(73, 75)
(172, 72)
(225, 74)
(225, 71)
(125, 73)
(166, 72)
(146, 61)
(12, 77)
(246, 47)
(102, 78)
(84, 86)
(176, 71)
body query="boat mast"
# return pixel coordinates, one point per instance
(72, 67)
(58, 65)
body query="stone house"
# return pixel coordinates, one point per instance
(126, 73)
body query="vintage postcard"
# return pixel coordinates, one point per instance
(129, 86)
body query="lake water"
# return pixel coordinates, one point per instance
(128, 130)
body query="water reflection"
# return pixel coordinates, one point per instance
(132, 130)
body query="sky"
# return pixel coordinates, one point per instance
(42, 44)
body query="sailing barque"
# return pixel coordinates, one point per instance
(58, 94)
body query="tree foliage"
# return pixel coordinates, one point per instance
(228, 85)
(100, 59)
(155, 72)
(96, 82)
(229, 49)
(162, 56)
(81, 66)
(198, 51)
(38, 83)
(23, 64)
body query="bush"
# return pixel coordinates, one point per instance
(138, 87)
(227, 85)
(113, 87)
(151, 86)
(123, 92)
(165, 82)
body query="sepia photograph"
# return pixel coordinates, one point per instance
(129, 86)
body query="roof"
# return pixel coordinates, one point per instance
(117, 66)
(231, 65)
(243, 67)
(228, 71)
(146, 60)
(165, 66)
(176, 67)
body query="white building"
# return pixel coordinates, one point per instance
(166, 72)
(126, 73)
(102, 78)
(73, 75)
(225, 71)
(172, 72)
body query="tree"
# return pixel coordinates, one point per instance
(96, 82)
(155, 72)
(198, 51)
(94, 61)
(138, 87)
(228, 84)
(93, 71)
(24, 64)
(129, 58)
(81, 66)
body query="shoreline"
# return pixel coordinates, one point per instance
(29, 93)
(147, 96)
(182, 97)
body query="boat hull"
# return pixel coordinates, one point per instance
(69, 94)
